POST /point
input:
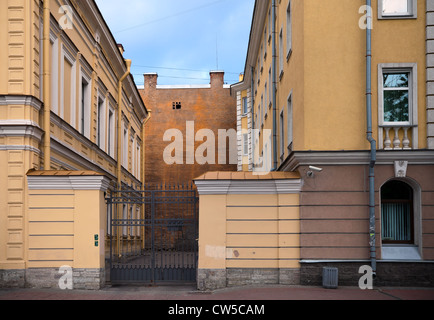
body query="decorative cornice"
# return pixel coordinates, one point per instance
(21, 100)
(68, 183)
(225, 187)
(337, 158)
(20, 129)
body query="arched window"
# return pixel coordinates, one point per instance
(397, 220)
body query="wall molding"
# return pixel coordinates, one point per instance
(226, 187)
(337, 158)
(68, 183)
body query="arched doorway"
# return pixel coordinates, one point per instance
(397, 216)
(400, 220)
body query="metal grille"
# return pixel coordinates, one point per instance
(330, 278)
(153, 234)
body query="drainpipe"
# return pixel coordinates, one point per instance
(273, 35)
(47, 84)
(370, 138)
(252, 111)
(143, 173)
(119, 168)
(128, 62)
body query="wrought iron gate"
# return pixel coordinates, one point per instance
(152, 235)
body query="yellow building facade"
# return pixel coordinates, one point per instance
(321, 78)
(68, 105)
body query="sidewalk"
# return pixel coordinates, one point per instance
(249, 293)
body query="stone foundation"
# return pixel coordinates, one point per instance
(12, 278)
(48, 278)
(218, 279)
(389, 274)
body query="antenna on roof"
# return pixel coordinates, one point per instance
(217, 51)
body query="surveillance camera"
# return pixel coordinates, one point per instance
(315, 169)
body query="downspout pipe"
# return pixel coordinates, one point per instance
(274, 76)
(47, 84)
(120, 86)
(252, 111)
(373, 143)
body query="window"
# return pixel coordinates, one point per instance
(84, 125)
(245, 144)
(125, 221)
(101, 123)
(397, 213)
(67, 90)
(125, 148)
(111, 133)
(288, 31)
(266, 99)
(139, 163)
(54, 58)
(133, 154)
(245, 110)
(281, 53)
(68, 87)
(282, 134)
(290, 121)
(176, 106)
(270, 81)
(397, 9)
(397, 94)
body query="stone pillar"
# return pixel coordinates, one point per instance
(66, 230)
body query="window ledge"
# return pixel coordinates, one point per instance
(400, 252)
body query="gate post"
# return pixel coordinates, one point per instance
(67, 229)
(249, 228)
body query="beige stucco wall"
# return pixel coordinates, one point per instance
(245, 230)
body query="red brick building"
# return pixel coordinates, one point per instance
(186, 110)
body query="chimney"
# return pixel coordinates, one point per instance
(150, 81)
(217, 79)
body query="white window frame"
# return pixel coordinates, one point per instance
(411, 68)
(289, 30)
(125, 146)
(290, 119)
(245, 107)
(282, 133)
(133, 154)
(412, 5)
(270, 89)
(84, 77)
(54, 40)
(139, 162)
(245, 144)
(281, 50)
(111, 132)
(101, 122)
(66, 54)
(265, 99)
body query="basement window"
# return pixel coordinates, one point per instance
(177, 106)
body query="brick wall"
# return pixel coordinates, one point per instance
(210, 107)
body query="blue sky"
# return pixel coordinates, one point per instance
(180, 39)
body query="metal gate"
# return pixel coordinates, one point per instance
(152, 235)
